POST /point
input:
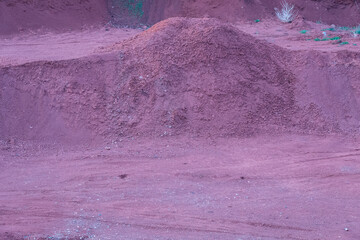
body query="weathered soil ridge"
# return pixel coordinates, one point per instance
(51, 15)
(183, 76)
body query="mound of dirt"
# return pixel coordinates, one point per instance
(24, 15)
(204, 77)
(200, 77)
(208, 78)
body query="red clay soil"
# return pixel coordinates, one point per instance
(339, 12)
(193, 129)
(253, 85)
(301, 188)
(31, 15)
(28, 16)
(201, 77)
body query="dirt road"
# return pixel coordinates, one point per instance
(258, 188)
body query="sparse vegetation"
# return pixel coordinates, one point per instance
(287, 14)
(355, 32)
(126, 13)
(327, 39)
(328, 29)
(134, 7)
(344, 28)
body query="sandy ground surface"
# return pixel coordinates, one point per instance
(300, 35)
(60, 46)
(21, 49)
(293, 187)
(267, 188)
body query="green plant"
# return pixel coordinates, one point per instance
(344, 43)
(134, 7)
(303, 31)
(344, 28)
(335, 38)
(328, 29)
(257, 20)
(327, 39)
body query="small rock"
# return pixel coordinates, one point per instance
(346, 229)
(107, 148)
(123, 176)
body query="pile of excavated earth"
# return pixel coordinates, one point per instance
(210, 112)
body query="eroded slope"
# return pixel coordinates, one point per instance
(183, 76)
